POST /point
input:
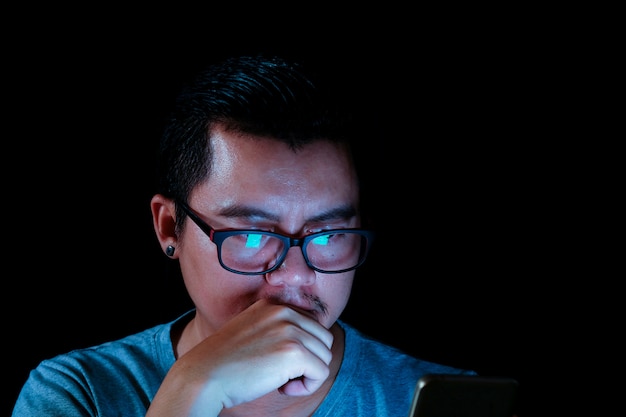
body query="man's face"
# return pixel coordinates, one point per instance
(261, 184)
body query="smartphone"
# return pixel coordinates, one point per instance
(444, 395)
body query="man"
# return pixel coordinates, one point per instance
(260, 202)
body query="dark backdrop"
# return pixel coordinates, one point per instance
(456, 259)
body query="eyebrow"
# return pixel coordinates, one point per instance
(344, 212)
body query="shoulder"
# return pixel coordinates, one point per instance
(88, 378)
(150, 344)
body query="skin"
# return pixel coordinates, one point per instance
(267, 344)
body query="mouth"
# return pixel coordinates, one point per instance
(306, 304)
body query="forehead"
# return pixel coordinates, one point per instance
(235, 153)
(260, 171)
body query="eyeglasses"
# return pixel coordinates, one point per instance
(256, 252)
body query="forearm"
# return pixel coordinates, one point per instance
(178, 397)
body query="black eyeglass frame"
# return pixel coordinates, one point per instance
(218, 236)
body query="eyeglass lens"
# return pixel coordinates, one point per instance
(258, 252)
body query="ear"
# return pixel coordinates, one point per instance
(164, 220)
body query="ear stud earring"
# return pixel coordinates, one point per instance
(169, 251)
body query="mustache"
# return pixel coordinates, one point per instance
(317, 302)
(316, 305)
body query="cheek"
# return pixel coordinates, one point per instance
(217, 294)
(337, 293)
(219, 298)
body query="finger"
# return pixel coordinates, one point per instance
(309, 324)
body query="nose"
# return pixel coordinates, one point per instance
(293, 271)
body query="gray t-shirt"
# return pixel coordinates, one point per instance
(121, 377)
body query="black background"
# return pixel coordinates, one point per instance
(460, 269)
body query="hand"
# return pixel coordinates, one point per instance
(266, 347)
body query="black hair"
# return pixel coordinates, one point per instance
(265, 96)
